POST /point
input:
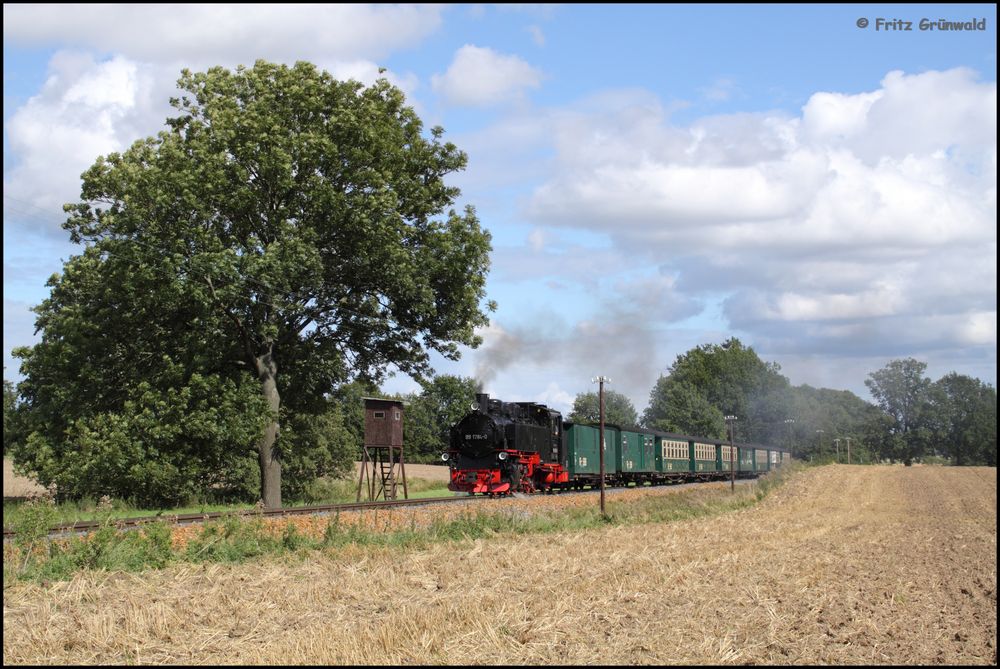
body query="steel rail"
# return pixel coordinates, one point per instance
(83, 526)
(189, 518)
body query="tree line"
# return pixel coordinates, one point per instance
(911, 419)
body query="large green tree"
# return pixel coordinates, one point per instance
(9, 405)
(880, 438)
(285, 228)
(618, 409)
(967, 433)
(682, 408)
(729, 379)
(128, 391)
(902, 391)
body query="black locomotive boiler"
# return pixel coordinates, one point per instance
(504, 447)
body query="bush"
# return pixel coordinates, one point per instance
(30, 545)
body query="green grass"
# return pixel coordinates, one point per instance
(237, 539)
(336, 491)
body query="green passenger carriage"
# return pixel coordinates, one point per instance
(633, 454)
(760, 459)
(673, 455)
(703, 457)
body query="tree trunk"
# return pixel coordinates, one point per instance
(270, 462)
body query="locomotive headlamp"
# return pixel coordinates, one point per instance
(501, 456)
(444, 457)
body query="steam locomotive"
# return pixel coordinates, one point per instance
(500, 448)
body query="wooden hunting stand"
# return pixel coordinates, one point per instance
(382, 466)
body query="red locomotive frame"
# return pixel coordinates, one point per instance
(533, 476)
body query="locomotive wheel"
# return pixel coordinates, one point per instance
(524, 482)
(515, 477)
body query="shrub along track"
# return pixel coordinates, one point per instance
(842, 565)
(85, 526)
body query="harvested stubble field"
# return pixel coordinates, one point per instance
(17, 486)
(841, 565)
(437, 473)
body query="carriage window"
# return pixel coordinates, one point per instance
(379, 415)
(676, 450)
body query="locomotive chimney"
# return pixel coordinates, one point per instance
(483, 400)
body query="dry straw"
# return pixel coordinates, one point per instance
(842, 565)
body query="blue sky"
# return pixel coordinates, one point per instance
(655, 177)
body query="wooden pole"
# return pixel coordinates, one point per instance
(603, 511)
(601, 380)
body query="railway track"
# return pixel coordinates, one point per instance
(84, 526)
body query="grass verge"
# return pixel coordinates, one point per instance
(322, 491)
(30, 556)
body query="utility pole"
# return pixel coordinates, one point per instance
(602, 380)
(848, 449)
(819, 443)
(836, 442)
(732, 454)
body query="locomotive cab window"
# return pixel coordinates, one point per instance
(395, 415)
(379, 415)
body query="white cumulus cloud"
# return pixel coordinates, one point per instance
(866, 223)
(480, 76)
(86, 109)
(212, 33)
